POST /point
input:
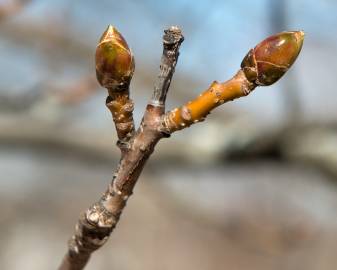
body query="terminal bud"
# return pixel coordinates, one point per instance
(114, 60)
(270, 59)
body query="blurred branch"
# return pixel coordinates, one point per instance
(315, 145)
(68, 95)
(57, 46)
(312, 144)
(17, 103)
(11, 8)
(78, 91)
(23, 129)
(60, 45)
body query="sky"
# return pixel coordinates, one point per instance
(217, 36)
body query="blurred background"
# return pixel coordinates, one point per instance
(253, 187)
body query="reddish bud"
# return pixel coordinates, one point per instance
(114, 60)
(270, 59)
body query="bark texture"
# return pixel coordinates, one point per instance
(96, 224)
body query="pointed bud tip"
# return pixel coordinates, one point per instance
(110, 33)
(271, 58)
(114, 60)
(110, 28)
(300, 37)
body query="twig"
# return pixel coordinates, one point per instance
(196, 110)
(263, 65)
(114, 69)
(96, 224)
(172, 40)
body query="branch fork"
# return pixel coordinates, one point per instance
(263, 65)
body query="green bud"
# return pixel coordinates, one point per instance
(270, 59)
(114, 60)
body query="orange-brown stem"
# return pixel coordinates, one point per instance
(196, 110)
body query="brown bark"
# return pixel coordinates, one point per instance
(96, 224)
(121, 108)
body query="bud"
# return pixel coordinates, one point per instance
(114, 60)
(270, 59)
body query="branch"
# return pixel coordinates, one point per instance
(114, 69)
(172, 40)
(96, 224)
(263, 65)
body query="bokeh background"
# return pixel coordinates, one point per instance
(253, 187)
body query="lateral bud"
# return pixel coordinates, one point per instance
(114, 60)
(270, 59)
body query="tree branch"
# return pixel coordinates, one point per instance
(95, 225)
(263, 65)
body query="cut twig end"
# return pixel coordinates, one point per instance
(173, 36)
(172, 40)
